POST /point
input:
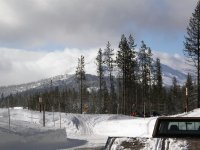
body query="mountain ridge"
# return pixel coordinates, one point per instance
(68, 80)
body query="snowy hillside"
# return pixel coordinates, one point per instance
(77, 131)
(63, 81)
(60, 80)
(168, 73)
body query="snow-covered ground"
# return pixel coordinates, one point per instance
(74, 131)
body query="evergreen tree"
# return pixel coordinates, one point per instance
(142, 56)
(106, 97)
(190, 89)
(159, 81)
(121, 63)
(126, 63)
(100, 73)
(172, 99)
(80, 76)
(145, 68)
(192, 44)
(109, 64)
(149, 78)
(157, 86)
(2, 100)
(133, 66)
(176, 103)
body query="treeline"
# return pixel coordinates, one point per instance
(129, 80)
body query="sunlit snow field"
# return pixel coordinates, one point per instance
(73, 131)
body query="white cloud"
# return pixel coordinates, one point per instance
(20, 66)
(176, 61)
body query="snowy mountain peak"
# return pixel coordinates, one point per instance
(66, 80)
(168, 73)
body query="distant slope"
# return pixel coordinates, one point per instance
(63, 81)
(44, 83)
(169, 73)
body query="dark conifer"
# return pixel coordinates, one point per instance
(80, 76)
(192, 44)
(100, 73)
(145, 68)
(126, 63)
(109, 64)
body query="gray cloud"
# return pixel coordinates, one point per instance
(88, 23)
(78, 25)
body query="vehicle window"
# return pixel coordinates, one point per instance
(185, 125)
(177, 128)
(190, 125)
(182, 126)
(197, 126)
(172, 125)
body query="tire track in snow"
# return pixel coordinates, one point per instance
(158, 145)
(82, 124)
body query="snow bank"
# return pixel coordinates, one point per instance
(43, 140)
(83, 131)
(135, 127)
(17, 107)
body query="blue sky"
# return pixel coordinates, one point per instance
(33, 30)
(170, 44)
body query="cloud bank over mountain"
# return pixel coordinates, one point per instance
(20, 66)
(43, 38)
